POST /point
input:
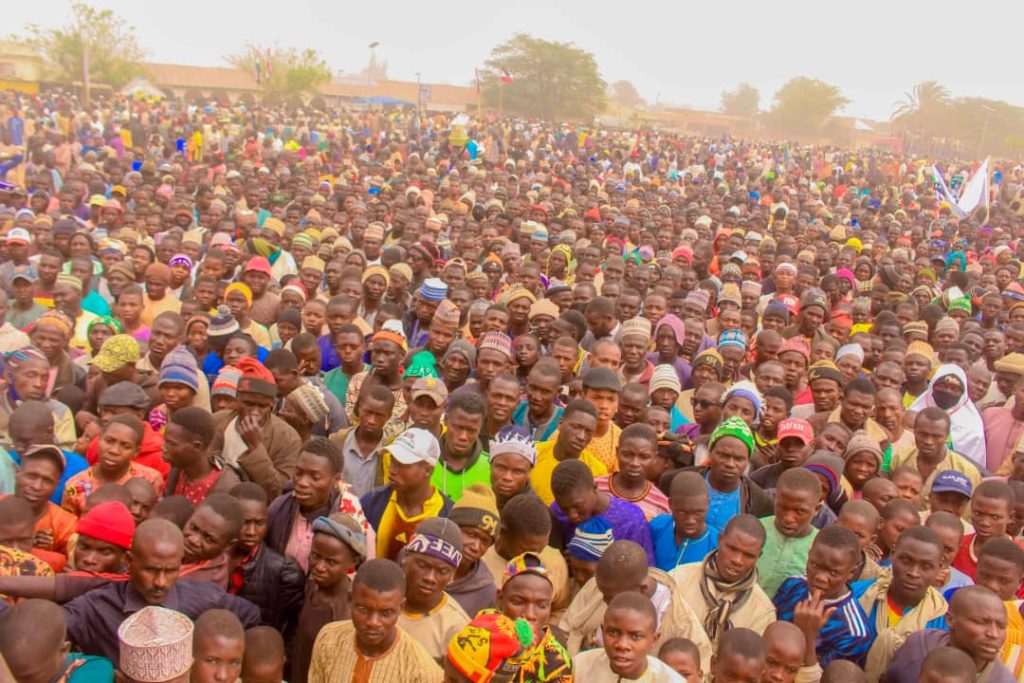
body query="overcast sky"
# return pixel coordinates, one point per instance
(681, 53)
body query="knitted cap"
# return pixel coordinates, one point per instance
(477, 508)
(392, 331)
(544, 307)
(733, 426)
(640, 327)
(947, 324)
(402, 269)
(825, 369)
(499, 341)
(66, 280)
(111, 522)
(377, 270)
(226, 383)
(179, 367)
(311, 402)
(433, 289)
(665, 377)
(591, 539)
(925, 350)
(515, 440)
(223, 323)
(256, 379)
(861, 442)
(735, 338)
(463, 348)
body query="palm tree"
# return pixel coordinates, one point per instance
(925, 106)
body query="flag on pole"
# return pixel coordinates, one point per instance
(506, 77)
(267, 67)
(976, 193)
(476, 74)
(944, 195)
(259, 70)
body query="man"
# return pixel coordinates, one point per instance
(41, 469)
(539, 413)
(1004, 426)
(635, 339)
(256, 274)
(67, 296)
(263, 445)
(283, 364)
(425, 302)
(463, 460)
(371, 644)
(166, 334)
(154, 562)
(388, 347)
(930, 454)
(31, 424)
(723, 590)
(977, 626)
(889, 412)
(500, 401)
(856, 410)
(601, 322)
(25, 374)
(948, 389)
(622, 568)
(575, 433)
(157, 298)
(194, 474)
(443, 330)
(117, 362)
(348, 345)
(903, 601)
(24, 310)
(493, 357)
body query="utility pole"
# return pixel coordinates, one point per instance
(85, 73)
(984, 129)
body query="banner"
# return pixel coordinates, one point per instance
(943, 194)
(975, 194)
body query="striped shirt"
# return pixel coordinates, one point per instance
(847, 635)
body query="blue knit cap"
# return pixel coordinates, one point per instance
(433, 289)
(591, 539)
(180, 367)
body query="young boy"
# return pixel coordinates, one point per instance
(682, 535)
(785, 651)
(638, 448)
(898, 515)
(588, 544)
(684, 658)
(34, 646)
(577, 499)
(630, 630)
(951, 491)
(789, 530)
(821, 603)
(948, 665)
(263, 661)
(950, 529)
(878, 491)
(218, 645)
(861, 517)
(35, 481)
(909, 483)
(476, 514)
(991, 506)
(338, 547)
(740, 657)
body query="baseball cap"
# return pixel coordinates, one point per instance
(602, 378)
(258, 264)
(432, 387)
(415, 445)
(24, 272)
(797, 428)
(951, 481)
(18, 235)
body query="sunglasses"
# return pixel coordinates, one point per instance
(702, 403)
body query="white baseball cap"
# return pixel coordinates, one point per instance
(415, 445)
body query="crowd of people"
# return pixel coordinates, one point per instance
(375, 396)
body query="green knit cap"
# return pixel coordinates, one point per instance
(423, 364)
(734, 426)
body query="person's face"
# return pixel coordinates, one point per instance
(990, 516)
(374, 616)
(792, 452)
(254, 524)
(313, 318)
(330, 560)
(1000, 576)
(606, 402)
(490, 363)
(729, 457)
(578, 504)
(627, 306)
(118, 444)
(96, 556)
(502, 398)
(783, 659)
(313, 481)
(978, 628)
(255, 406)
(736, 406)
(860, 467)
(425, 576)
(828, 570)
(527, 596)
(735, 668)
(464, 428)
(129, 307)
(36, 480)
(930, 437)
(385, 357)
(207, 535)
(857, 407)
(404, 477)
(153, 567)
(915, 565)
(628, 637)
(865, 530)
(257, 282)
(793, 511)
(909, 486)
(891, 529)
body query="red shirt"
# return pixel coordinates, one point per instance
(966, 559)
(196, 491)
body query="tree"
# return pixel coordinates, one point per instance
(548, 79)
(803, 105)
(625, 93)
(926, 107)
(291, 74)
(97, 38)
(743, 100)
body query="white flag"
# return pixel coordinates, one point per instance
(944, 195)
(976, 192)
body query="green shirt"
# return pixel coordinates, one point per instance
(782, 558)
(452, 484)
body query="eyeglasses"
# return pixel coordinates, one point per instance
(702, 402)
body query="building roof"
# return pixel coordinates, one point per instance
(202, 77)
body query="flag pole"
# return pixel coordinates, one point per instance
(501, 98)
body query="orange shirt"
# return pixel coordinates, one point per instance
(85, 482)
(61, 525)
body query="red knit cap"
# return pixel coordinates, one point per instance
(256, 379)
(110, 522)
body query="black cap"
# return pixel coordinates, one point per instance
(602, 378)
